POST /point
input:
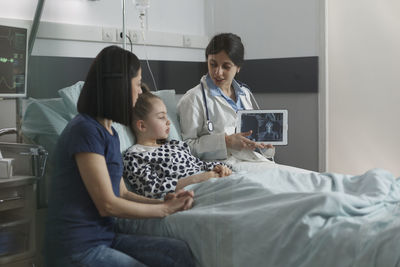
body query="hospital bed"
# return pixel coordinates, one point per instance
(265, 214)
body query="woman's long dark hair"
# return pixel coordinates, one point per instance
(107, 92)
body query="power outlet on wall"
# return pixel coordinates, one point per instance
(134, 35)
(108, 35)
(186, 41)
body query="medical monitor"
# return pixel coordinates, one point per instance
(267, 126)
(13, 61)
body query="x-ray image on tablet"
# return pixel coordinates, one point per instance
(268, 126)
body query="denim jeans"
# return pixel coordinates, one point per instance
(133, 251)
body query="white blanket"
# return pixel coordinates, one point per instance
(275, 217)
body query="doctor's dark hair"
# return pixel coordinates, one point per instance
(230, 43)
(107, 92)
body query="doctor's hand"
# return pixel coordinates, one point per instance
(222, 170)
(239, 141)
(266, 146)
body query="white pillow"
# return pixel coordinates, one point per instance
(44, 120)
(126, 137)
(169, 99)
(70, 96)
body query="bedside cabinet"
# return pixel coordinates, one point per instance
(18, 204)
(17, 221)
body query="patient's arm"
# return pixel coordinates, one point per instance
(222, 170)
(93, 170)
(194, 179)
(126, 194)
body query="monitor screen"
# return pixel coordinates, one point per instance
(13, 61)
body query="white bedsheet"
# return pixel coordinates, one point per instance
(275, 217)
(257, 166)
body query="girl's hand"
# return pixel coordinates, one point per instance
(179, 193)
(183, 193)
(210, 174)
(222, 170)
(239, 141)
(174, 204)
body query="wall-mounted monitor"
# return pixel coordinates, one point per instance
(13, 61)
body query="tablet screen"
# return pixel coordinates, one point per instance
(267, 126)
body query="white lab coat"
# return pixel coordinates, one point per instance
(193, 121)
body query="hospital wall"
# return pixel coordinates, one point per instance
(363, 49)
(108, 14)
(57, 63)
(92, 16)
(281, 31)
(277, 35)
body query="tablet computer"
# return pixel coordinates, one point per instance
(268, 126)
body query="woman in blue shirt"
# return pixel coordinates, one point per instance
(87, 189)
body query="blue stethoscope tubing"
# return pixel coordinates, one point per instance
(210, 125)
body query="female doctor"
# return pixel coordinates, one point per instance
(207, 112)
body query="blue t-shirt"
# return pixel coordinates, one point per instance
(73, 221)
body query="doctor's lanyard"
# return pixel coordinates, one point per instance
(210, 125)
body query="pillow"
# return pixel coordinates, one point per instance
(70, 96)
(126, 137)
(168, 97)
(44, 120)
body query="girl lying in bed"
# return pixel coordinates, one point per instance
(153, 167)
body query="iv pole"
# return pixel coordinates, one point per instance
(124, 24)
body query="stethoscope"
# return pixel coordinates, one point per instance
(210, 125)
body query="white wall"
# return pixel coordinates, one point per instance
(172, 16)
(278, 29)
(163, 16)
(268, 28)
(363, 85)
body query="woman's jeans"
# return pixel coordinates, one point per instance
(134, 250)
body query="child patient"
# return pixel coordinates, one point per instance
(155, 167)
